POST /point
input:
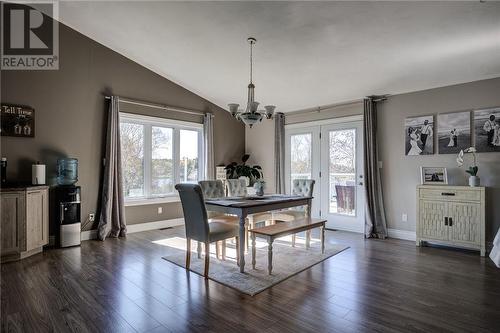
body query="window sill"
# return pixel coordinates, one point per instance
(152, 201)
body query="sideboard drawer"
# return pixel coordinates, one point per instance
(450, 194)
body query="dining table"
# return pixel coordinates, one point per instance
(244, 206)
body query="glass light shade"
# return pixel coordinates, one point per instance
(254, 106)
(269, 111)
(233, 108)
(250, 118)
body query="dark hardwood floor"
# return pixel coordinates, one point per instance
(123, 285)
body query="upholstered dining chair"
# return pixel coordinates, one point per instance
(302, 187)
(198, 226)
(238, 188)
(215, 189)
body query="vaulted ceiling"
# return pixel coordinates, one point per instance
(308, 53)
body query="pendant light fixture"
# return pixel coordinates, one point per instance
(251, 115)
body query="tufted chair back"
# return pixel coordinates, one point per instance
(303, 187)
(237, 187)
(212, 188)
(195, 213)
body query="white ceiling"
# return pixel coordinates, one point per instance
(308, 54)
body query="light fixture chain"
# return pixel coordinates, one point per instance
(251, 61)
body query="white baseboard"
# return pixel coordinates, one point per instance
(92, 234)
(154, 225)
(402, 234)
(89, 234)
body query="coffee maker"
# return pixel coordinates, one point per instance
(68, 215)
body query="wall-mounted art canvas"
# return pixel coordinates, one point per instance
(17, 120)
(419, 135)
(487, 130)
(453, 132)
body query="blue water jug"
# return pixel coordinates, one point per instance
(67, 171)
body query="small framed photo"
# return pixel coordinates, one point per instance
(433, 176)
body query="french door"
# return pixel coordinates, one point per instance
(302, 160)
(332, 154)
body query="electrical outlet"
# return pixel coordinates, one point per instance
(160, 210)
(91, 217)
(404, 218)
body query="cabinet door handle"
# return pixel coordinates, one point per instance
(451, 194)
(450, 222)
(445, 221)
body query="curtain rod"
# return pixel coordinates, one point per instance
(158, 106)
(322, 108)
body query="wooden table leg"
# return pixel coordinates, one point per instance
(253, 250)
(242, 245)
(323, 239)
(224, 249)
(198, 249)
(308, 232)
(308, 239)
(237, 245)
(270, 255)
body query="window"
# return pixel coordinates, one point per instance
(158, 153)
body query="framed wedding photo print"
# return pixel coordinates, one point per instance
(487, 130)
(453, 132)
(433, 176)
(419, 136)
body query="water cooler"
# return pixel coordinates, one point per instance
(68, 212)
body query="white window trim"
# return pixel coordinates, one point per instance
(152, 201)
(177, 126)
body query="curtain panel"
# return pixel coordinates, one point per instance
(279, 151)
(375, 221)
(208, 146)
(112, 215)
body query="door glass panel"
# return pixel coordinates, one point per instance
(342, 172)
(162, 175)
(188, 163)
(301, 157)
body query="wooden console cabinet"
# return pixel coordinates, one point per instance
(24, 226)
(451, 215)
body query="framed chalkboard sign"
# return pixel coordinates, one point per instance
(17, 120)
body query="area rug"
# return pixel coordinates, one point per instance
(287, 261)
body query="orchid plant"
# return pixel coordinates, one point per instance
(473, 169)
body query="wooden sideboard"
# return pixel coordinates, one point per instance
(24, 221)
(451, 215)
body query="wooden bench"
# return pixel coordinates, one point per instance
(282, 229)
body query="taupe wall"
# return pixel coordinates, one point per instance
(259, 142)
(70, 115)
(401, 173)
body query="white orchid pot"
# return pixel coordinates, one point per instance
(474, 181)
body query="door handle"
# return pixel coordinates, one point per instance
(360, 183)
(446, 221)
(450, 222)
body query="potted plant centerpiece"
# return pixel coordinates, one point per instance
(474, 180)
(251, 173)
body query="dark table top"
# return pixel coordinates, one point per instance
(253, 201)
